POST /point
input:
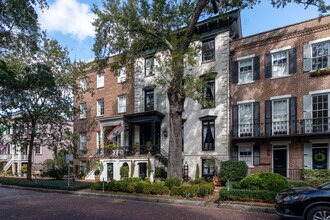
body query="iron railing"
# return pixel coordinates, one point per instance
(290, 174)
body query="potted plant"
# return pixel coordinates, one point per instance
(149, 146)
(24, 169)
(98, 166)
(136, 148)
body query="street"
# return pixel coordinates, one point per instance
(24, 204)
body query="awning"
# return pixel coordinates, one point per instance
(116, 131)
(2, 147)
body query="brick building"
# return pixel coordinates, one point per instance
(280, 92)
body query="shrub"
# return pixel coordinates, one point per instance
(209, 187)
(124, 171)
(175, 191)
(114, 186)
(133, 179)
(157, 188)
(197, 181)
(160, 172)
(233, 170)
(316, 177)
(264, 181)
(299, 184)
(170, 182)
(233, 185)
(139, 187)
(24, 168)
(97, 186)
(202, 192)
(197, 174)
(147, 188)
(247, 195)
(189, 191)
(131, 187)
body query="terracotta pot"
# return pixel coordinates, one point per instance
(216, 181)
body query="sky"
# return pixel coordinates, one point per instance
(69, 22)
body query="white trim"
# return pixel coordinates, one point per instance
(246, 101)
(280, 49)
(319, 91)
(319, 40)
(320, 141)
(280, 97)
(245, 83)
(279, 77)
(252, 154)
(247, 144)
(287, 154)
(280, 142)
(245, 57)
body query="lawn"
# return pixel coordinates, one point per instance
(45, 183)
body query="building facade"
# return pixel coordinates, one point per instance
(280, 90)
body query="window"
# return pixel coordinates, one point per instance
(209, 94)
(122, 75)
(320, 55)
(280, 64)
(149, 100)
(280, 117)
(245, 71)
(208, 50)
(100, 80)
(208, 135)
(83, 143)
(208, 168)
(83, 111)
(149, 65)
(121, 104)
(245, 154)
(98, 141)
(38, 149)
(245, 120)
(320, 112)
(83, 85)
(100, 108)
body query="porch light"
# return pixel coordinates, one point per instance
(165, 132)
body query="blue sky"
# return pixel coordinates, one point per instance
(69, 22)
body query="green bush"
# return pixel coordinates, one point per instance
(209, 187)
(247, 195)
(175, 191)
(124, 172)
(139, 187)
(114, 186)
(160, 172)
(158, 188)
(316, 177)
(299, 184)
(197, 181)
(265, 181)
(170, 182)
(147, 189)
(189, 191)
(131, 187)
(202, 192)
(232, 170)
(233, 185)
(97, 186)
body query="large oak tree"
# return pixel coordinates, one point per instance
(130, 28)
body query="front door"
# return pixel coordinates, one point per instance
(110, 171)
(142, 170)
(320, 158)
(280, 161)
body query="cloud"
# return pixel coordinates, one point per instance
(68, 17)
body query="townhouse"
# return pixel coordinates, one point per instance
(280, 90)
(126, 122)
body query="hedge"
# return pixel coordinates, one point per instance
(265, 181)
(232, 170)
(247, 195)
(316, 177)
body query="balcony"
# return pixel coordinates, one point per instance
(23, 158)
(305, 127)
(129, 151)
(4, 156)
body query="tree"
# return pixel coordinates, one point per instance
(134, 27)
(36, 95)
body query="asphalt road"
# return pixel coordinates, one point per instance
(24, 204)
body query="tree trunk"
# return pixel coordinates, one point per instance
(29, 165)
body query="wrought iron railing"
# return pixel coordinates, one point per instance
(291, 174)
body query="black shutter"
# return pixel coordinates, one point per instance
(268, 117)
(256, 118)
(292, 61)
(256, 68)
(235, 153)
(256, 155)
(293, 115)
(235, 121)
(235, 72)
(268, 66)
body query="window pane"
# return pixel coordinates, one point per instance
(320, 55)
(245, 120)
(245, 71)
(280, 117)
(121, 104)
(149, 100)
(149, 62)
(280, 64)
(208, 50)
(208, 137)
(100, 80)
(320, 121)
(245, 154)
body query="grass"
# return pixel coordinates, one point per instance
(45, 183)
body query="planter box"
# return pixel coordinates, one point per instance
(317, 73)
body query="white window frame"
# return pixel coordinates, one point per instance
(287, 115)
(83, 85)
(40, 149)
(239, 118)
(121, 104)
(328, 55)
(312, 111)
(208, 46)
(284, 73)
(100, 80)
(83, 111)
(239, 71)
(240, 157)
(100, 108)
(83, 141)
(121, 75)
(149, 70)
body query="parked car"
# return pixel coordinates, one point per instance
(310, 203)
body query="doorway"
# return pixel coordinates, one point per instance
(142, 170)
(110, 171)
(280, 160)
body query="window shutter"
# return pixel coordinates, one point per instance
(308, 113)
(307, 57)
(293, 115)
(292, 60)
(235, 121)
(235, 153)
(268, 117)
(256, 68)
(256, 118)
(256, 155)
(268, 66)
(235, 72)
(308, 154)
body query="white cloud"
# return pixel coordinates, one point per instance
(68, 17)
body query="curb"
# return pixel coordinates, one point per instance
(261, 209)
